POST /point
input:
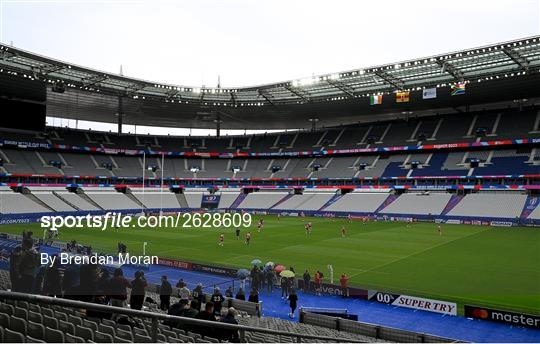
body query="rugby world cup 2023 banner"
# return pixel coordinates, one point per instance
(436, 306)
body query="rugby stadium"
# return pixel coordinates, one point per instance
(391, 203)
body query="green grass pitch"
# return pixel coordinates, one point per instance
(497, 267)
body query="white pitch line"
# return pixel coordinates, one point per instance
(415, 253)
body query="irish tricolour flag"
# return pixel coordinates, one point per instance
(375, 100)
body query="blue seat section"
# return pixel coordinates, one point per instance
(507, 165)
(394, 170)
(436, 164)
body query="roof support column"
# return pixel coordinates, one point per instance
(120, 114)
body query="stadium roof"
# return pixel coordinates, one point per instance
(94, 95)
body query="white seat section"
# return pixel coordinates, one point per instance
(46, 188)
(112, 200)
(307, 201)
(193, 199)
(535, 214)
(16, 203)
(490, 204)
(262, 199)
(76, 200)
(227, 198)
(418, 204)
(53, 201)
(153, 199)
(358, 202)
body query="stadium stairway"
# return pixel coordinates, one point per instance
(386, 203)
(454, 200)
(84, 196)
(182, 200)
(282, 200)
(331, 201)
(33, 198)
(134, 199)
(238, 200)
(65, 200)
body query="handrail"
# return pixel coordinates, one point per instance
(158, 316)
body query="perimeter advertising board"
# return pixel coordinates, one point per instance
(512, 318)
(436, 306)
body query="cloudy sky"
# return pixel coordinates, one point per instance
(251, 42)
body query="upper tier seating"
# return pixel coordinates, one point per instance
(497, 124)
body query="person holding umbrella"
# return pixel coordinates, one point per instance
(286, 276)
(242, 274)
(284, 288)
(270, 280)
(293, 300)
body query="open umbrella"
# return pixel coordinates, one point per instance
(242, 273)
(287, 274)
(270, 264)
(256, 262)
(279, 268)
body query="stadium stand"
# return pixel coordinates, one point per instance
(53, 201)
(193, 198)
(153, 198)
(307, 201)
(109, 198)
(262, 199)
(18, 203)
(361, 202)
(75, 200)
(418, 203)
(227, 198)
(490, 204)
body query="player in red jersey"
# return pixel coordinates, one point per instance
(221, 239)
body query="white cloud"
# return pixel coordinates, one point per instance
(252, 42)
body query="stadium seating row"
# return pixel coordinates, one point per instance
(487, 204)
(490, 162)
(496, 124)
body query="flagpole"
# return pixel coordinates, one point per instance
(143, 171)
(161, 190)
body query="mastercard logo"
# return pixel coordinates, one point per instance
(480, 313)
